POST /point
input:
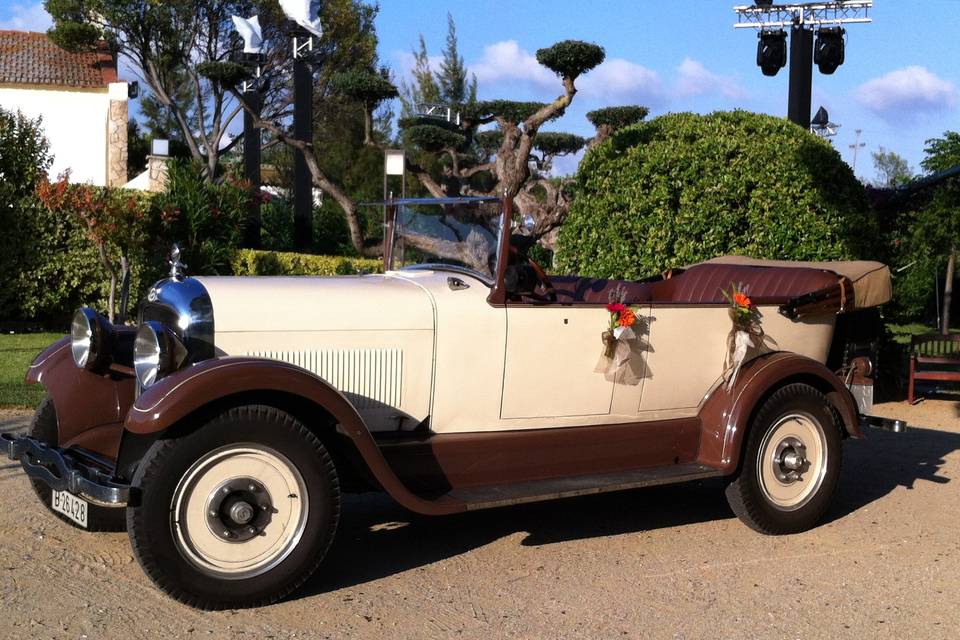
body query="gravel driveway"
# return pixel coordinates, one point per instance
(668, 562)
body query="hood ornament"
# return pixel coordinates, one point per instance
(178, 270)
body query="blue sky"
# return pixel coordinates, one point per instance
(900, 84)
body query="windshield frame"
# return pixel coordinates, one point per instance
(501, 238)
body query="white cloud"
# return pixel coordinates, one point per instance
(904, 93)
(619, 79)
(26, 17)
(505, 61)
(694, 79)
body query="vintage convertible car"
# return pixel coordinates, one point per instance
(223, 429)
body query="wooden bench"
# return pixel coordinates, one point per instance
(939, 356)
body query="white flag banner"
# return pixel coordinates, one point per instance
(305, 13)
(249, 30)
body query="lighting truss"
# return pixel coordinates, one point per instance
(439, 112)
(808, 13)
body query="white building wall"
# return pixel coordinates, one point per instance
(75, 123)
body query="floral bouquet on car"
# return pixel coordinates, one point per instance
(746, 333)
(620, 331)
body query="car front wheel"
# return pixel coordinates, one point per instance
(791, 463)
(237, 513)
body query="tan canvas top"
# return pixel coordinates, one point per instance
(872, 284)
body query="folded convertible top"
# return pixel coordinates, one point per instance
(870, 281)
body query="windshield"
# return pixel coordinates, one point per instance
(462, 236)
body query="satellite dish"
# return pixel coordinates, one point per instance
(249, 30)
(305, 13)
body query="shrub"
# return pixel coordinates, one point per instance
(683, 188)
(205, 219)
(118, 223)
(24, 157)
(251, 262)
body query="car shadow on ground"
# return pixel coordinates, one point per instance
(883, 461)
(377, 538)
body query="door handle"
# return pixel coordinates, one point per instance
(456, 284)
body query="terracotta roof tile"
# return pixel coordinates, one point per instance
(32, 58)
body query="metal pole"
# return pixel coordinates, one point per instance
(801, 75)
(303, 131)
(948, 291)
(856, 146)
(251, 167)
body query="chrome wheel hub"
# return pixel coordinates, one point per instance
(239, 509)
(790, 459)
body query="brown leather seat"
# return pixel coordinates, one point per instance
(700, 284)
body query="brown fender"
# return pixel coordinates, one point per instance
(89, 405)
(177, 396)
(725, 415)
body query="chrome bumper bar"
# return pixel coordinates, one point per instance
(887, 424)
(62, 471)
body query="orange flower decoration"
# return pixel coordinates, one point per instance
(742, 300)
(627, 318)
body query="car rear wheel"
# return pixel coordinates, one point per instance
(791, 463)
(237, 513)
(43, 427)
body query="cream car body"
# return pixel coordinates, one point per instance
(405, 346)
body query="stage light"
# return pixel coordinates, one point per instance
(763, 3)
(772, 51)
(830, 50)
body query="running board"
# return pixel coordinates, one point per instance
(489, 497)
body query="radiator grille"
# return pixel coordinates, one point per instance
(369, 377)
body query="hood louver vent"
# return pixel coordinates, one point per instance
(370, 378)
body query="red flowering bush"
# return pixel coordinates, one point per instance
(119, 224)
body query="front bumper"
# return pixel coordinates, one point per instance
(63, 471)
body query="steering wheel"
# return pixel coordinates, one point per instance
(549, 292)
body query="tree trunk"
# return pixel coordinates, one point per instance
(105, 261)
(948, 291)
(124, 289)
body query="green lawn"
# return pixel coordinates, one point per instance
(17, 351)
(902, 333)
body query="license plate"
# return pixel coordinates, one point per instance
(71, 506)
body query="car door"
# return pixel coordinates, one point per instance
(551, 353)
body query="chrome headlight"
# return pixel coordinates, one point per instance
(157, 352)
(90, 338)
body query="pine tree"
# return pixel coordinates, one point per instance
(455, 88)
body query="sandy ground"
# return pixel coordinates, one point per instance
(669, 562)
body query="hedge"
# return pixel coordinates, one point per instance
(684, 187)
(253, 262)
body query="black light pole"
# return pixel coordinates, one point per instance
(801, 75)
(251, 165)
(302, 131)
(827, 17)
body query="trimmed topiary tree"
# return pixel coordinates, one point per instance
(684, 187)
